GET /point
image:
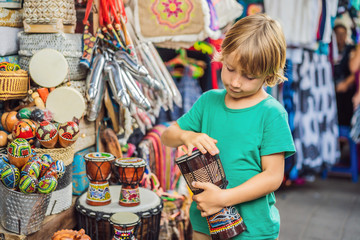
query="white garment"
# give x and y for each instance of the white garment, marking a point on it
(299, 19)
(227, 11)
(9, 44)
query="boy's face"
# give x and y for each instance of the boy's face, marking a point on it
(237, 84)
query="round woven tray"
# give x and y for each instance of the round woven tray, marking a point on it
(64, 154)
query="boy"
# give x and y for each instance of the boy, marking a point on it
(244, 125)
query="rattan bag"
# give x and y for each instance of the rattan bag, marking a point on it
(13, 84)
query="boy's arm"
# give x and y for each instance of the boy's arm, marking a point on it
(213, 198)
(174, 136)
(354, 63)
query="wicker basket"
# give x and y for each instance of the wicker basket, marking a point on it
(61, 198)
(13, 85)
(49, 11)
(70, 45)
(22, 213)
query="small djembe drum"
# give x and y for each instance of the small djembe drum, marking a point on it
(125, 225)
(130, 171)
(198, 167)
(98, 170)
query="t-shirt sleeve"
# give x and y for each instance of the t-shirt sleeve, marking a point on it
(191, 121)
(277, 137)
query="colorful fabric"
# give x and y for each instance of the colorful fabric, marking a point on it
(80, 182)
(88, 47)
(11, 59)
(175, 20)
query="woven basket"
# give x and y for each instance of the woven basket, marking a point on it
(70, 45)
(61, 198)
(49, 11)
(22, 213)
(13, 85)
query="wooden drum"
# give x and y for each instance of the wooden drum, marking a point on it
(98, 170)
(95, 219)
(125, 225)
(226, 223)
(131, 171)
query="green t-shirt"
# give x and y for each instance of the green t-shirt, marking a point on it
(243, 135)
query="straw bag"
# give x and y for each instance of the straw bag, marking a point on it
(61, 198)
(13, 85)
(10, 18)
(49, 16)
(70, 45)
(22, 213)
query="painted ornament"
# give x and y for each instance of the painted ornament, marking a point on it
(47, 134)
(3, 139)
(47, 184)
(47, 158)
(28, 184)
(68, 133)
(31, 169)
(10, 176)
(44, 168)
(59, 167)
(19, 152)
(3, 163)
(25, 129)
(24, 113)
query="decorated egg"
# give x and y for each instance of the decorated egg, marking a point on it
(31, 168)
(28, 184)
(44, 168)
(3, 139)
(37, 115)
(47, 184)
(68, 133)
(47, 134)
(51, 172)
(24, 113)
(25, 129)
(59, 167)
(10, 176)
(47, 158)
(3, 120)
(3, 157)
(10, 121)
(19, 152)
(3, 164)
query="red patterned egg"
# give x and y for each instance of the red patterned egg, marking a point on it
(69, 130)
(25, 129)
(47, 134)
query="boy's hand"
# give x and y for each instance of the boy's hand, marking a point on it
(201, 141)
(210, 200)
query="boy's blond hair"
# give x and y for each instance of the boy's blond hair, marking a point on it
(260, 48)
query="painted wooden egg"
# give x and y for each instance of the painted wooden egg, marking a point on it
(10, 176)
(59, 167)
(3, 139)
(10, 121)
(31, 168)
(19, 152)
(28, 184)
(47, 184)
(3, 120)
(24, 113)
(3, 157)
(47, 134)
(44, 168)
(25, 129)
(51, 172)
(68, 133)
(3, 164)
(47, 158)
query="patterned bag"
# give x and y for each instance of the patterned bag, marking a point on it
(80, 181)
(176, 20)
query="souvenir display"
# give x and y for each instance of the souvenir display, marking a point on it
(68, 133)
(47, 134)
(226, 223)
(98, 170)
(25, 129)
(125, 225)
(131, 171)
(65, 103)
(48, 68)
(95, 219)
(19, 152)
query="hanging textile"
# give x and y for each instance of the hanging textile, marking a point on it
(315, 119)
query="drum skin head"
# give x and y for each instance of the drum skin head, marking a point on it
(125, 218)
(48, 68)
(65, 103)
